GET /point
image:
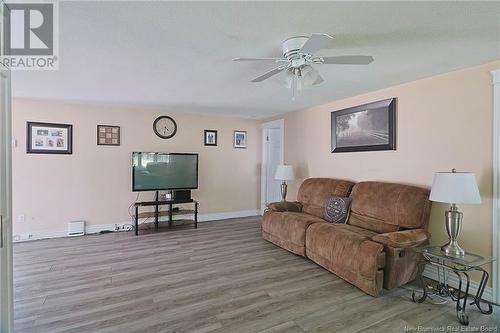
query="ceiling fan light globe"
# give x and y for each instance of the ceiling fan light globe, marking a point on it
(305, 77)
(309, 76)
(291, 75)
(288, 81)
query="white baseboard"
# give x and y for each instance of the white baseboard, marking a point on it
(224, 215)
(96, 228)
(432, 273)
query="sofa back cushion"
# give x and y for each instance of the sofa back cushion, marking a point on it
(314, 192)
(386, 207)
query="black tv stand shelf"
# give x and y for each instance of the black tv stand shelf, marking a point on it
(163, 202)
(171, 212)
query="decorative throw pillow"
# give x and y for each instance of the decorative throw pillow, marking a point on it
(337, 209)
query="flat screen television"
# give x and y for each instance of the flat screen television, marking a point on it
(164, 171)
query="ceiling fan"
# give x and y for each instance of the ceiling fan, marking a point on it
(298, 56)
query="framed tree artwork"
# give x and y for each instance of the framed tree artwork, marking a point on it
(365, 127)
(49, 138)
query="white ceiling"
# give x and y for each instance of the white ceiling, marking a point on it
(177, 55)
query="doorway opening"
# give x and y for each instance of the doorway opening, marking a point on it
(272, 156)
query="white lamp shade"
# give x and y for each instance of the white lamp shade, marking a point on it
(284, 172)
(455, 187)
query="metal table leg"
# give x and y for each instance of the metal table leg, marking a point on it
(136, 220)
(170, 208)
(196, 215)
(479, 295)
(420, 272)
(461, 315)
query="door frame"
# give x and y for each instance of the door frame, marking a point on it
(496, 185)
(7, 314)
(275, 124)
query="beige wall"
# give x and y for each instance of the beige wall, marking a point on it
(94, 183)
(443, 122)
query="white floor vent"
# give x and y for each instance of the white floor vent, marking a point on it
(76, 228)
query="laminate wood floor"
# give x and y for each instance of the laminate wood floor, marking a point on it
(221, 277)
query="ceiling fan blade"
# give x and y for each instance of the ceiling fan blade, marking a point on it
(319, 80)
(348, 60)
(316, 42)
(260, 59)
(268, 74)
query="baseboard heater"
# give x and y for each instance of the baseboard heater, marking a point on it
(76, 228)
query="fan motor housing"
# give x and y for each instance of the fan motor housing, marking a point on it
(292, 45)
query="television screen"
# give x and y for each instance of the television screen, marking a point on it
(164, 171)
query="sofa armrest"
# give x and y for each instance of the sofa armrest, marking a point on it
(403, 239)
(284, 206)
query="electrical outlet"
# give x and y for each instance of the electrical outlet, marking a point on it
(21, 218)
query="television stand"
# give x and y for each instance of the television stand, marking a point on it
(170, 203)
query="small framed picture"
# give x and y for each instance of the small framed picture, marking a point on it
(210, 137)
(49, 138)
(108, 135)
(240, 139)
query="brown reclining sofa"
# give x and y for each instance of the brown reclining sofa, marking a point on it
(373, 249)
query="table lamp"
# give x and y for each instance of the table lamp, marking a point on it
(284, 172)
(454, 188)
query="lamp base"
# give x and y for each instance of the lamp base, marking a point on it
(452, 249)
(283, 188)
(453, 227)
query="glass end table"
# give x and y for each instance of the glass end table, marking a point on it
(461, 266)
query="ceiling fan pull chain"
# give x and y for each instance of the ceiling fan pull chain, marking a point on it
(299, 79)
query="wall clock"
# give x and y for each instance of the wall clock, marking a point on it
(165, 127)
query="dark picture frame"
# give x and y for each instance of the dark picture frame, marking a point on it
(240, 139)
(49, 138)
(367, 127)
(210, 137)
(108, 135)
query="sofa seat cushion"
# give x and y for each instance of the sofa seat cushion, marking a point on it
(339, 240)
(289, 228)
(349, 252)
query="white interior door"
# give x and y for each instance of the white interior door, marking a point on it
(6, 287)
(273, 192)
(272, 156)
